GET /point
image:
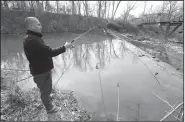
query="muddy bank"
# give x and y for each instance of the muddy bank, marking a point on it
(169, 52)
(19, 105)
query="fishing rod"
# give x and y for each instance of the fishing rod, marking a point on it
(66, 69)
(85, 33)
(73, 46)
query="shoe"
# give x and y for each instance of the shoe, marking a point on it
(54, 109)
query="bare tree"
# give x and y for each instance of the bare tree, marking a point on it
(18, 5)
(99, 8)
(86, 7)
(145, 3)
(57, 4)
(79, 7)
(39, 9)
(116, 9)
(73, 8)
(102, 10)
(108, 9)
(149, 15)
(113, 6)
(42, 3)
(92, 11)
(23, 5)
(48, 6)
(5, 3)
(105, 4)
(129, 8)
(171, 9)
(31, 4)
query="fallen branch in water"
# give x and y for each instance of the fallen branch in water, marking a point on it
(174, 116)
(114, 51)
(171, 112)
(163, 100)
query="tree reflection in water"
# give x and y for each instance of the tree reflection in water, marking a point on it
(83, 57)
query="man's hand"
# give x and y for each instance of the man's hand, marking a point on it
(68, 45)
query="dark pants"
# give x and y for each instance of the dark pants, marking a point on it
(44, 83)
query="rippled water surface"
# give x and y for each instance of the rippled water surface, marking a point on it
(112, 61)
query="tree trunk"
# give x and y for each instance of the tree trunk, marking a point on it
(23, 5)
(73, 7)
(105, 9)
(144, 8)
(79, 8)
(13, 4)
(6, 4)
(108, 9)
(113, 8)
(46, 6)
(31, 6)
(57, 7)
(116, 9)
(86, 7)
(42, 4)
(18, 5)
(99, 9)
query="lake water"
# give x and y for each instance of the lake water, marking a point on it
(113, 61)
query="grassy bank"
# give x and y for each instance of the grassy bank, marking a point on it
(19, 105)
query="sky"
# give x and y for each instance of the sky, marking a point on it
(136, 12)
(139, 7)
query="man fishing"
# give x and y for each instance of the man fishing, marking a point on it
(40, 60)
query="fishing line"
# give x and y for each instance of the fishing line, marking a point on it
(24, 78)
(16, 69)
(73, 46)
(69, 65)
(66, 69)
(144, 64)
(61, 76)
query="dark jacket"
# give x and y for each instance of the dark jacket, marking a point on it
(38, 54)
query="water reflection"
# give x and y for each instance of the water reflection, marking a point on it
(83, 57)
(117, 64)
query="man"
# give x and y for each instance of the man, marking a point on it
(40, 60)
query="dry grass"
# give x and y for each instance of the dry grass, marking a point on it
(19, 105)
